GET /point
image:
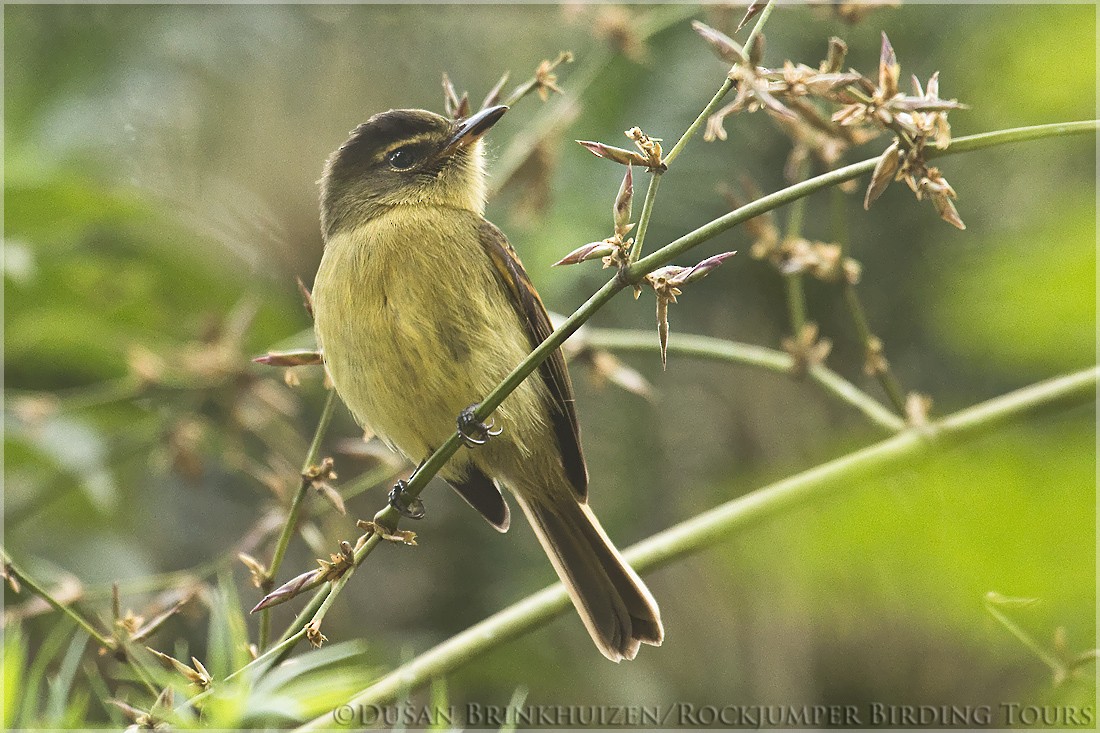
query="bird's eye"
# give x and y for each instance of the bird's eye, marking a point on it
(403, 158)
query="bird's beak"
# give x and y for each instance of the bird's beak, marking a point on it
(473, 127)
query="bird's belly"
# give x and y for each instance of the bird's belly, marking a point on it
(408, 351)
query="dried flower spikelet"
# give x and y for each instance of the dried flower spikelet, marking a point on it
(885, 170)
(7, 572)
(314, 635)
(616, 25)
(753, 9)
(834, 59)
(725, 47)
(667, 283)
(492, 98)
(853, 271)
(455, 106)
(854, 11)
(889, 70)
(585, 252)
(399, 537)
(196, 674)
(623, 202)
(606, 367)
(806, 349)
(545, 79)
(256, 569)
(874, 360)
(615, 250)
(610, 152)
(756, 50)
(650, 147)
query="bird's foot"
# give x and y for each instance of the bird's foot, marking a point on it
(410, 507)
(473, 431)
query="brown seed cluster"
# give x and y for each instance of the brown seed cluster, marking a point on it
(797, 97)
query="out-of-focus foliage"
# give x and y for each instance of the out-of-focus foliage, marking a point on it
(160, 199)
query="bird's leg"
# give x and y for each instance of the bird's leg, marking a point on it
(473, 431)
(410, 507)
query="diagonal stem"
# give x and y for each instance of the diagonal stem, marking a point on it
(733, 352)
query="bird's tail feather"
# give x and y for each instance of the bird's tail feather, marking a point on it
(615, 605)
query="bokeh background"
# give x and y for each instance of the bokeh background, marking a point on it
(160, 199)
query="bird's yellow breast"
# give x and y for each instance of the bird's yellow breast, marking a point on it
(415, 327)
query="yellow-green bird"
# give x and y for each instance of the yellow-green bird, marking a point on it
(421, 308)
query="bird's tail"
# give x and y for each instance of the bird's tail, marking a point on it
(615, 605)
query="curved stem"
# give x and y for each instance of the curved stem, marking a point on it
(13, 570)
(733, 352)
(296, 508)
(704, 530)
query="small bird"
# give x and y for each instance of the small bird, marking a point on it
(421, 307)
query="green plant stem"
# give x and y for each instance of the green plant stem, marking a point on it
(708, 528)
(271, 656)
(643, 219)
(796, 301)
(733, 352)
(794, 282)
(388, 516)
(884, 375)
(35, 587)
(295, 509)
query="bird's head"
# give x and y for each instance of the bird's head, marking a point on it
(406, 157)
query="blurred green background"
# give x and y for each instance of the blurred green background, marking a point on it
(160, 198)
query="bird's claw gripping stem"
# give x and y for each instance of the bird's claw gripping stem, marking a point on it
(473, 431)
(410, 507)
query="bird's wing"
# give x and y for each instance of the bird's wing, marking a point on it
(532, 314)
(482, 494)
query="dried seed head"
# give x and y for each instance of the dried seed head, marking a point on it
(617, 25)
(621, 210)
(650, 147)
(889, 70)
(806, 349)
(834, 59)
(590, 251)
(455, 107)
(493, 97)
(314, 635)
(874, 360)
(885, 170)
(606, 367)
(756, 50)
(625, 157)
(256, 569)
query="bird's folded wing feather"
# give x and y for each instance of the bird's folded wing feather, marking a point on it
(532, 314)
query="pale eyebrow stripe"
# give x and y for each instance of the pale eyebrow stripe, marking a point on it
(422, 137)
